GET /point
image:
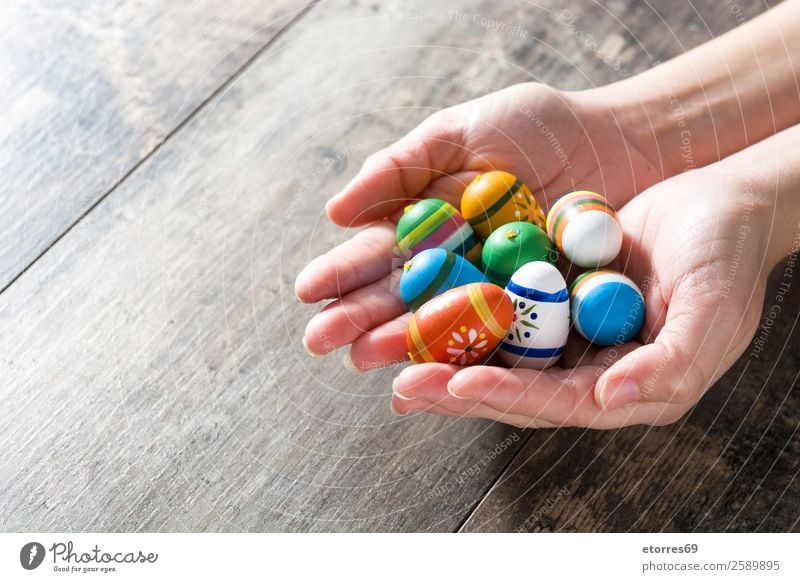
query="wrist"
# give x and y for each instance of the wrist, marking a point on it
(668, 122)
(644, 124)
(784, 235)
(716, 99)
(768, 173)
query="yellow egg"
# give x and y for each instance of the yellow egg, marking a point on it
(497, 198)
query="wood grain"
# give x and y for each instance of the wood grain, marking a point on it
(154, 379)
(731, 465)
(157, 381)
(89, 91)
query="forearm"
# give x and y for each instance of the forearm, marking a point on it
(718, 98)
(770, 173)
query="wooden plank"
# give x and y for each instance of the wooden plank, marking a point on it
(89, 90)
(154, 379)
(156, 370)
(729, 466)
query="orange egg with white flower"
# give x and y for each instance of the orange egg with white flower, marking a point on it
(462, 326)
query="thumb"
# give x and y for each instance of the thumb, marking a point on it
(404, 170)
(693, 349)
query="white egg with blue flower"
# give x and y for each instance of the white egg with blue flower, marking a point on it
(540, 328)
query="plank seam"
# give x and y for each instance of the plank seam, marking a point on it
(175, 130)
(472, 510)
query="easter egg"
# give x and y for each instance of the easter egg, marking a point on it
(540, 326)
(585, 228)
(607, 307)
(461, 326)
(513, 245)
(434, 271)
(497, 198)
(433, 223)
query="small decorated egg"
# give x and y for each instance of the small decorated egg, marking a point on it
(511, 246)
(585, 228)
(497, 198)
(434, 271)
(607, 307)
(540, 326)
(433, 223)
(461, 326)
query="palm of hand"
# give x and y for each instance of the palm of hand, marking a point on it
(664, 247)
(694, 241)
(438, 159)
(555, 142)
(702, 308)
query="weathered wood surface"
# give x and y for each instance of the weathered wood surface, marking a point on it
(154, 379)
(87, 90)
(731, 465)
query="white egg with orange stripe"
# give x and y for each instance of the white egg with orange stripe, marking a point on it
(585, 228)
(607, 307)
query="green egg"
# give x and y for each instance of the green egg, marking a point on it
(511, 246)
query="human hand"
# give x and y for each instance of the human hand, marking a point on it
(553, 141)
(700, 245)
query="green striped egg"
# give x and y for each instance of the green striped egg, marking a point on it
(432, 223)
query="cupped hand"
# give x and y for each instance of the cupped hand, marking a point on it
(698, 246)
(553, 141)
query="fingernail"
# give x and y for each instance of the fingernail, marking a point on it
(395, 382)
(329, 203)
(350, 365)
(302, 286)
(453, 393)
(305, 345)
(618, 393)
(394, 410)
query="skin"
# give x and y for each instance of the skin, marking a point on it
(683, 231)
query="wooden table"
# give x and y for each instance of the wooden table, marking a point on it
(164, 168)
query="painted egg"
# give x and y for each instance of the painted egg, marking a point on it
(513, 245)
(585, 228)
(497, 198)
(607, 307)
(461, 326)
(433, 223)
(540, 326)
(434, 271)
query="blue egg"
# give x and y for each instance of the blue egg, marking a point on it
(607, 307)
(434, 271)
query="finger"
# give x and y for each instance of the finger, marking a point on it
(560, 397)
(423, 387)
(385, 345)
(345, 320)
(427, 384)
(701, 338)
(403, 407)
(551, 395)
(449, 188)
(362, 260)
(400, 172)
